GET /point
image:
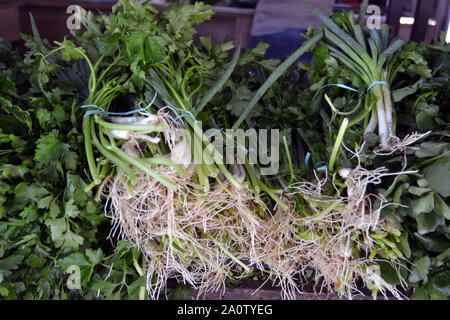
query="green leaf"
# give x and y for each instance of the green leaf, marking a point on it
(154, 49)
(70, 209)
(420, 293)
(4, 291)
(420, 272)
(423, 183)
(78, 259)
(428, 222)
(438, 174)
(417, 191)
(57, 228)
(221, 81)
(69, 50)
(240, 99)
(390, 275)
(441, 207)
(35, 261)
(419, 69)
(70, 239)
(404, 244)
(426, 114)
(54, 210)
(71, 160)
(441, 282)
(308, 44)
(44, 203)
(422, 205)
(432, 244)
(399, 94)
(75, 190)
(95, 257)
(18, 113)
(50, 148)
(431, 149)
(28, 193)
(443, 257)
(10, 263)
(134, 45)
(433, 293)
(62, 235)
(134, 288)
(105, 287)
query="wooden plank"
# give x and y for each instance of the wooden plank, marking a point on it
(424, 11)
(9, 21)
(394, 12)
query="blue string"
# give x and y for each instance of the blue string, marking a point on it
(183, 114)
(335, 85)
(319, 163)
(322, 168)
(238, 144)
(233, 147)
(308, 155)
(102, 111)
(282, 170)
(340, 85)
(377, 82)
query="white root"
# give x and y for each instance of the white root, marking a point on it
(388, 108)
(181, 153)
(383, 130)
(372, 125)
(120, 134)
(238, 172)
(136, 120)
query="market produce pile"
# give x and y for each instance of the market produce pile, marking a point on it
(100, 134)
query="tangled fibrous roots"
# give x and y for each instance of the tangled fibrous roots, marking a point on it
(402, 145)
(185, 233)
(332, 229)
(280, 251)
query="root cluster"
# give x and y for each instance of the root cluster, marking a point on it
(187, 233)
(204, 237)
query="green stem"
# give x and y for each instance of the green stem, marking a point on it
(167, 162)
(89, 152)
(140, 164)
(337, 144)
(272, 195)
(110, 155)
(278, 72)
(291, 168)
(331, 207)
(222, 247)
(130, 127)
